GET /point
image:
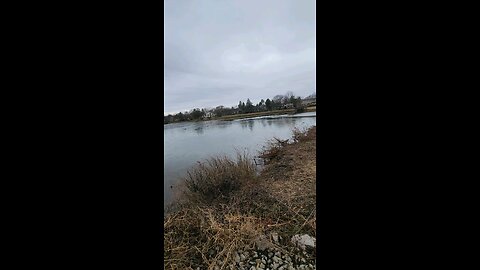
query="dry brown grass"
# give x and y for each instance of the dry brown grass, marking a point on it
(205, 237)
(312, 109)
(225, 207)
(291, 180)
(215, 179)
(255, 114)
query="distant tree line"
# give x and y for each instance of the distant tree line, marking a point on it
(278, 102)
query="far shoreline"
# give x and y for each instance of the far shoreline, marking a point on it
(250, 115)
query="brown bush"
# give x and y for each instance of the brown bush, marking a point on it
(301, 135)
(216, 178)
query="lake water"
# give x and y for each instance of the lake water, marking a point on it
(187, 143)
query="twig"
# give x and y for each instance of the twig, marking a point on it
(306, 220)
(201, 253)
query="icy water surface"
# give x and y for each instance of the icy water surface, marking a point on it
(187, 143)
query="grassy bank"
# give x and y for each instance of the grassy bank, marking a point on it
(225, 206)
(250, 115)
(256, 114)
(267, 113)
(311, 109)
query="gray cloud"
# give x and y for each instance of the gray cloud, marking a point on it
(218, 52)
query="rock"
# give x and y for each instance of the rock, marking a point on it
(237, 258)
(303, 241)
(275, 237)
(262, 243)
(242, 257)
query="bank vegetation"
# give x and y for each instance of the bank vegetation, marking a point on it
(225, 205)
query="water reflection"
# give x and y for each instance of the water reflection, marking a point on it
(263, 123)
(199, 130)
(222, 124)
(243, 124)
(186, 143)
(248, 123)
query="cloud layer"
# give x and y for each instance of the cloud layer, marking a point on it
(220, 52)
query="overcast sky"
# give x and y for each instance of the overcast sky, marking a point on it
(218, 52)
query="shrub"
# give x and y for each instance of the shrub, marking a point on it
(303, 134)
(300, 109)
(218, 177)
(273, 148)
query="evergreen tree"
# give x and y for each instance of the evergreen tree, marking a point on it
(249, 106)
(241, 106)
(268, 104)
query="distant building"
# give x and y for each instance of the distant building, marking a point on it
(208, 115)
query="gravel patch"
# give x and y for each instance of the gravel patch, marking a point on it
(271, 259)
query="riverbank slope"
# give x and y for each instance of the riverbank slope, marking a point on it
(228, 217)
